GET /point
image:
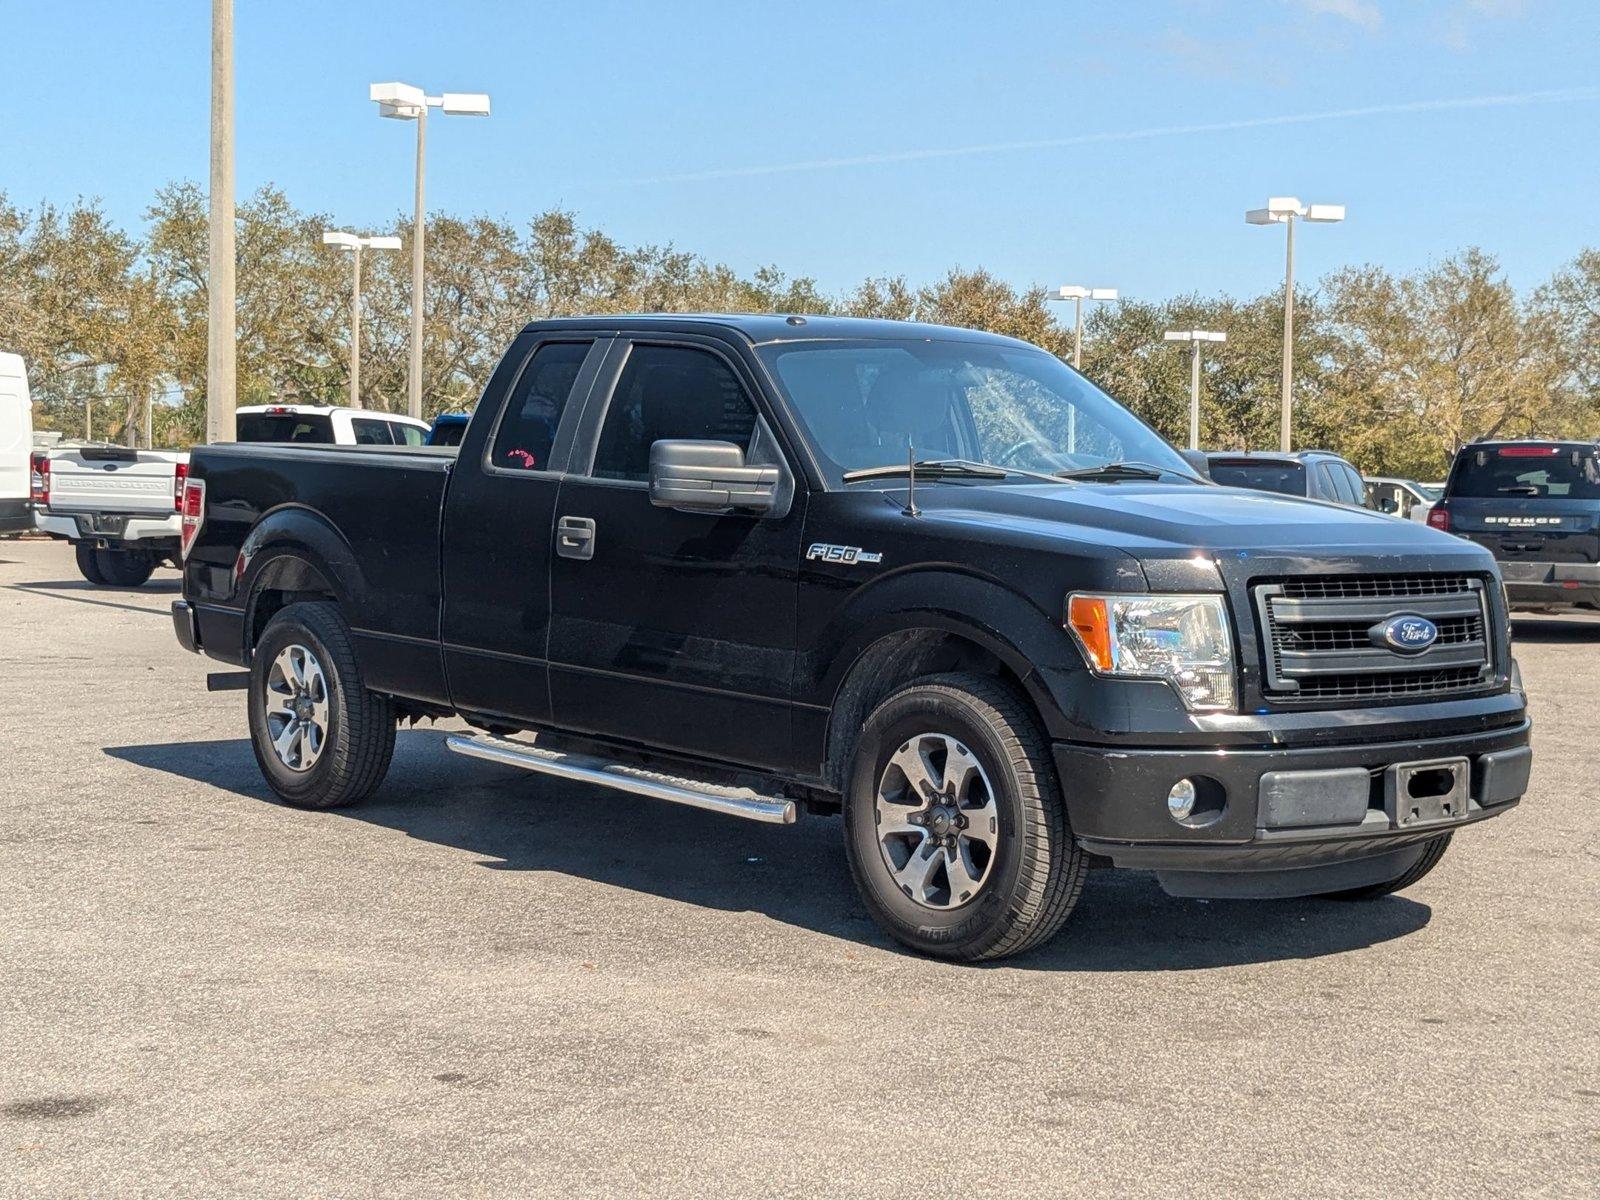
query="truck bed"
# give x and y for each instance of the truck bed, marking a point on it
(373, 508)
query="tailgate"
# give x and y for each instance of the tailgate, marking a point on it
(1521, 529)
(107, 481)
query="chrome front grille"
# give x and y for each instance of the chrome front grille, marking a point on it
(1321, 637)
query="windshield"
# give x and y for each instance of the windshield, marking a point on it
(1286, 477)
(870, 403)
(1569, 472)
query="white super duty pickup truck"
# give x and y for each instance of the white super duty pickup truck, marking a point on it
(119, 506)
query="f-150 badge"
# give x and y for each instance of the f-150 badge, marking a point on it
(849, 555)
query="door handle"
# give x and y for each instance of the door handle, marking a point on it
(575, 537)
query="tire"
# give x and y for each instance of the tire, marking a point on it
(1019, 880)
(89, 563)
(350, 755)
(1432, 852)
(125, 568)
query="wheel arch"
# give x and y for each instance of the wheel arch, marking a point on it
(889, 640)
(293, 553)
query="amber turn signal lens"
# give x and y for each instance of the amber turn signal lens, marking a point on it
(1089, 620)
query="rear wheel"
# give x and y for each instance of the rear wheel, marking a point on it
(88, 562)
(1432, 852)
(954, 823)
(125, 568)
(321, 738)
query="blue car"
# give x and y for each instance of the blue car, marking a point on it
(447, 429)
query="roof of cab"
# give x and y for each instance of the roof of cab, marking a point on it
(759, 328)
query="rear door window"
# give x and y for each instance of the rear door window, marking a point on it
(370, 431)
(527, 430)
(1348, 483)
(1554, 472)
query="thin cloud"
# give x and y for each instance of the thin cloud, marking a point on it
(1553, 96)
(1358, 12)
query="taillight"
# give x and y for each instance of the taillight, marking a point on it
(1439, 518)
(39, 477)
(193, 514)
(179, 475)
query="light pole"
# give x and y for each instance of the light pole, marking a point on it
(1194, 337)
(1283, 210)
(1078, 295)
(403, 102)
(221, 366)
(355, 243)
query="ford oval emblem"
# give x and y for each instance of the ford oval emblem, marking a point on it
(1409, 633)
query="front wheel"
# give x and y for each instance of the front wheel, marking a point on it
(320, 737)
(954, 824)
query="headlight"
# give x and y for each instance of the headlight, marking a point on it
(1181, 639)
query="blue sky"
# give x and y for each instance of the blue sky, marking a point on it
(1107, 144)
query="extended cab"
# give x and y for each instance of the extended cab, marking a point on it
(930, 577)
(1536, 506)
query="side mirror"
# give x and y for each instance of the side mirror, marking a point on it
(1198, 460)
(709, 477)
(1386, 505)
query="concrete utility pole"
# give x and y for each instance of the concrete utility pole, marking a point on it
(1194, 337)
(221, 367)
(355, 243)
(1284, 210)
(402, 102)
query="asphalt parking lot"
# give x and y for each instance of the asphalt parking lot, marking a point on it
(483, 981)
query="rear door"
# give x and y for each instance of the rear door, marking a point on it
(1529, 502)
(673, 629)
(498, 524)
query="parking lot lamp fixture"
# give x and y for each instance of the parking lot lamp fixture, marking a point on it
(1078, 295)
(402, 102)
(1285, 211)
(1195, 337)
(355, 243)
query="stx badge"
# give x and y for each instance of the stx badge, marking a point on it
(848, 555)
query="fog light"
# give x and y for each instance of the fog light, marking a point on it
(1180, 800)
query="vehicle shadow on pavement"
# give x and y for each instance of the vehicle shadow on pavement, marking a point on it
(795, 874)
(1585, 629)
(80, 591)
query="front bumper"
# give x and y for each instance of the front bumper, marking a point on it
(1282, 822)
(107, 528)
(1551, 585)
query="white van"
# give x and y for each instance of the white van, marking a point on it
(16, 441)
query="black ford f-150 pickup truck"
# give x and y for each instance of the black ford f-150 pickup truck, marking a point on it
(929, 577)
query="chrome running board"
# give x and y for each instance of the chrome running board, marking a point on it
(585, 768)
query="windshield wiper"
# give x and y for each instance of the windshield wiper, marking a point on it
(930, 468)
(1118, 470)
(1521, 489)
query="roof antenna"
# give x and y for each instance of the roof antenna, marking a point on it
(910, 509)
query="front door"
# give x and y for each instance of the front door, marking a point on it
(498, 528)
(673, 629)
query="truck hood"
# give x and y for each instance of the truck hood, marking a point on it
(1150, 521)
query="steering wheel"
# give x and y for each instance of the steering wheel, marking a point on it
(1007, 456)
